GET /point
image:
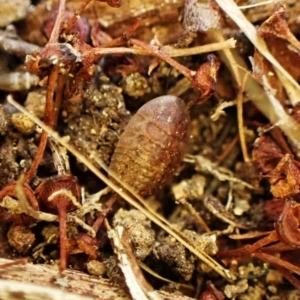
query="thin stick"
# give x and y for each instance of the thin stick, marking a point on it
(248, 250)
(175, 52)
(73, 20)
(195, 214)
(58, 100)
(272, 237)
(255, 4)
(164, 51)
(288, 276)
(56, 29)
(62, 236)
(227, 150)
(48, 120)
(276, 261)
(109, 205)
(240, 119)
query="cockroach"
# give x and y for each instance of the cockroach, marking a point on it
(152, 145)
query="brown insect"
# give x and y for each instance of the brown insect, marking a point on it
(152, 145)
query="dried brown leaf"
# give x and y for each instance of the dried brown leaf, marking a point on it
(281, 42)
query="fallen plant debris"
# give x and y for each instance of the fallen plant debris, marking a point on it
(191, 105)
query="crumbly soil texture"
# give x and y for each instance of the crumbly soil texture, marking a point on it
(219, 216)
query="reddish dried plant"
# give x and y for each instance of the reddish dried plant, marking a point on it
(59, 195)
(68, 64)
(283, 172)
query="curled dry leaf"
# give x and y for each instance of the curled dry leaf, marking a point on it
(284, 178)
(205, 79)
(281, 170)
(281, 42)
(287, 224)
(266, 153)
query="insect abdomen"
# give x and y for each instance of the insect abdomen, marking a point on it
(152, 145)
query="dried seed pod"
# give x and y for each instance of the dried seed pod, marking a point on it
(152, 145)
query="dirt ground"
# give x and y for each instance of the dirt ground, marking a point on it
(158, 153)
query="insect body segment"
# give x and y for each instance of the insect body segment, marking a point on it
(152, 145)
